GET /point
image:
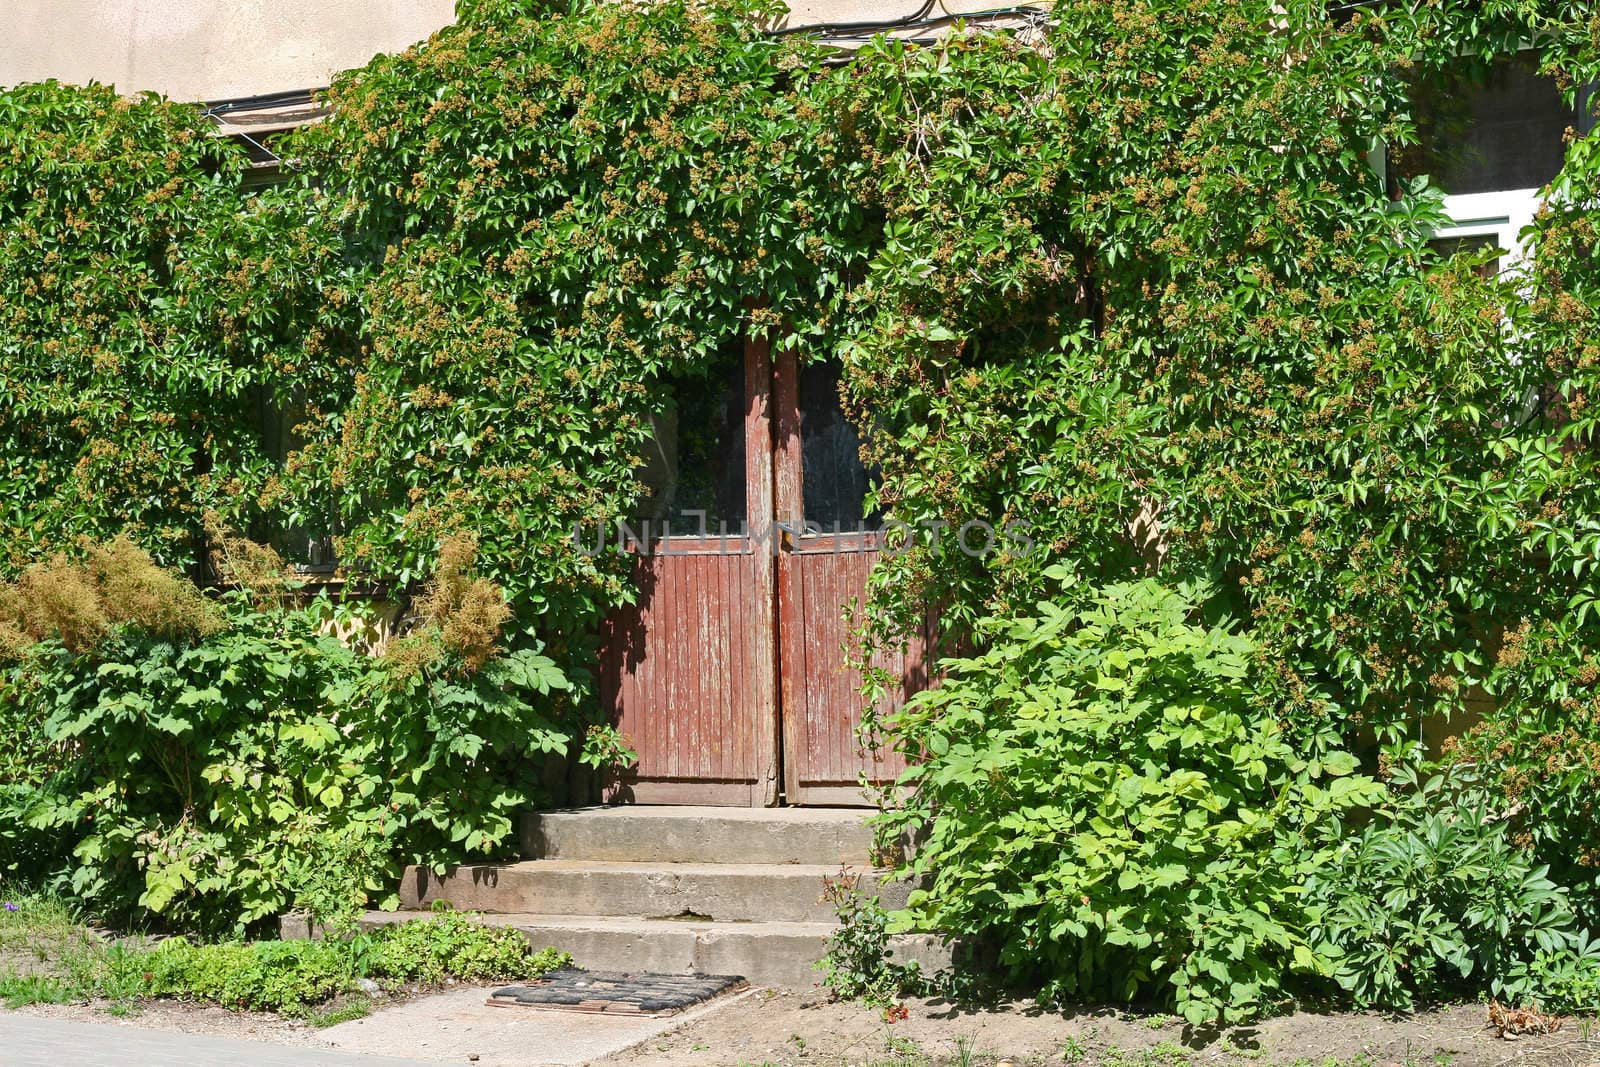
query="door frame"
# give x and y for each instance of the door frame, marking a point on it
(655, 663)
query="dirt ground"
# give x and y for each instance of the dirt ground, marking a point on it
(798, 1030)
(785, 1029)
(187, 1019)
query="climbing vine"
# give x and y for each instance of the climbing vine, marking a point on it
(552, 216)
(1144, 288)
(119, 387)
(1129, 276)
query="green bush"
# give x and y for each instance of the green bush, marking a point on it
(219, 781)
(1103, 799)
(857, 964)
(67, 961)
(1431, 900)
(291, 977)
(1537, 747)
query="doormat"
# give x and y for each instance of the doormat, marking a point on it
(616, 993)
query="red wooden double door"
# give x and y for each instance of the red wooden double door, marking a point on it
(732, 676)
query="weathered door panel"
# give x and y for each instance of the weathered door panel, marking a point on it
(824, 757)
(729, 630)
(820, 577)
(689, 673)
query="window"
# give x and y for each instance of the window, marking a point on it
(1492, 142)
(694, 470)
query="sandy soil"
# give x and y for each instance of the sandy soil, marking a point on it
(797, 1030)
(785, 1029)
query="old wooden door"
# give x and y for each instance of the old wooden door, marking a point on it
(828, 545)
(732, 676)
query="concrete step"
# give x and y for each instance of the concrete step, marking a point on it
(764, 953)
(730, 892)
(699, 835)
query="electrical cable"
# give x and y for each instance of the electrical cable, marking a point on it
(261, 102)
(828, 27)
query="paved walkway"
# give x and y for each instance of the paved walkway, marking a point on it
(32, 1042)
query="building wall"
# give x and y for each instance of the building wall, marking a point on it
(206, 49)
(203, 50)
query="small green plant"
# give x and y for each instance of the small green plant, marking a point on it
(350, 1010)
(857, 964)
(1431, 899)
(607, 748)
(289, 977)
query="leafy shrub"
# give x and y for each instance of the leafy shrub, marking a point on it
(1103, 799)
(856, 965)
(1538, 749)
(452, 945)
(265, 765)
(1433, 900)
(292, 976)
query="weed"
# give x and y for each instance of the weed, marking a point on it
(343, 1013)
(857, 964)
(18, 991)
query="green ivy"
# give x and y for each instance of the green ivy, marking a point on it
(551, 215)
(124, 405)
(1132, 265)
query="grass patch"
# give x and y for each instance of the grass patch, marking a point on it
(49, 955)
(349, 1011)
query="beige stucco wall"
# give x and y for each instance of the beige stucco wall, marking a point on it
(217, 49)
(206, 49)
(810, 12)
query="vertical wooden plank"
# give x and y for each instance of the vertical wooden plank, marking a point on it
(822, 636)
(671, 622)
(842, 683)
(789, 507)
(763, 697)
(714, 681)
(734, 748)
(688, 708)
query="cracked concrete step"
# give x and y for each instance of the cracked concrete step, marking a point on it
(764, 953)
(699, 835)
(738, 892)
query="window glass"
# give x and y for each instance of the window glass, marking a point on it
(1451, 246)
(833, 479)
(695, 460)
(1503, 131)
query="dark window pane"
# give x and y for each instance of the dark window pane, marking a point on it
(833, 479)
(1453, 246)
(695, 463)
(1506, 132)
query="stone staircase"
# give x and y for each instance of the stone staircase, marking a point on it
(674, 889)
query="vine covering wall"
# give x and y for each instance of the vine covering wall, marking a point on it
(1129, 278)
